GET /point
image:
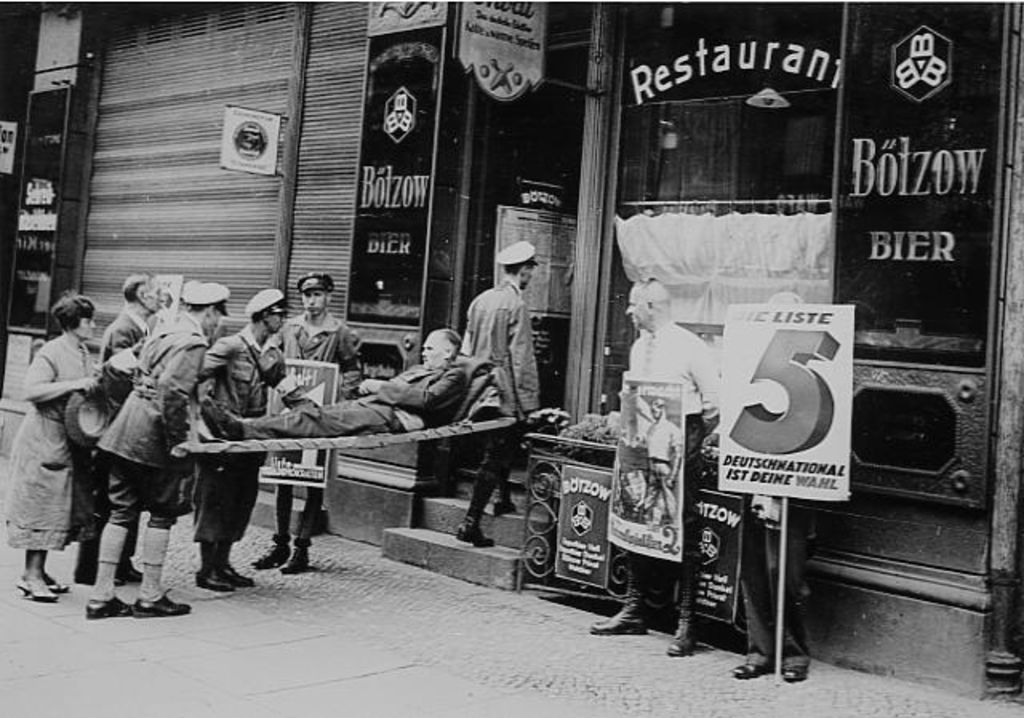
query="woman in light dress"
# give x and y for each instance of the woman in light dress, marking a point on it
(49, 501)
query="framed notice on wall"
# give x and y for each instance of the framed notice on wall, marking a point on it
(35, 248)
(554, 236)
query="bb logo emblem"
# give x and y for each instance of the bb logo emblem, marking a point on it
(709, 546)
(922, 64)
(582, 518)
(399, 115)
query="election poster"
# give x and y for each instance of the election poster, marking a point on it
(647, 483)
(787, 397)
(316, 381)
(582, 554)
(720, 528)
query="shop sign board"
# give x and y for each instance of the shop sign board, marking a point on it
(687, 52)
(249, 141)
(787, 399)
(35, 246)
(582, 553)
(918, 176)
(8, 146)
(312, 468)
(386, 17)
(647, 483)
(503, 44)
(395, 177)
(720, 527)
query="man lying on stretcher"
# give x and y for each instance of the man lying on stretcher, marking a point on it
(427, 395)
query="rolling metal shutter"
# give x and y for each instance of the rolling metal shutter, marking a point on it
(159, 200)
(329, 146)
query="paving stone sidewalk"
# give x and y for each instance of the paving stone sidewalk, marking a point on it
(366, 637)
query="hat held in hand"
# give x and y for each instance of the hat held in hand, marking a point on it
(86, 418)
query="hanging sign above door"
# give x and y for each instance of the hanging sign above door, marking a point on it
(503, 43)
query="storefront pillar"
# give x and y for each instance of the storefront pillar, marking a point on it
(596, 191)
(1002, 662)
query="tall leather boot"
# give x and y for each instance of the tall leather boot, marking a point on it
(469, 531)
(630, 619)
(685, 639)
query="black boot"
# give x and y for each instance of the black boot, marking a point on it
(469, 531)
(685, 640)
(222, 553)
(208, 576)
(630, 619)
(299, 562)
(276, 556)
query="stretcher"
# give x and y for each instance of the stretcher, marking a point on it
(477, 414)
(360, 441)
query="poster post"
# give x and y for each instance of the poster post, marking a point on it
(787, 401)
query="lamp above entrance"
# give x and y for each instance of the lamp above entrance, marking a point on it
(768, 99)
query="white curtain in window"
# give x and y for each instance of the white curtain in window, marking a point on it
(710, 262)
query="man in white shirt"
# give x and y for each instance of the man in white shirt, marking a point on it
(667, 352)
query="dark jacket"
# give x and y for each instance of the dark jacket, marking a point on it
(241, 373)
(157, 415)
(123, 333)
(433, 394)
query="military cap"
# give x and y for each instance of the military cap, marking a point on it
(518, 253)
(203, 294)
(263, 300)
(316, 280)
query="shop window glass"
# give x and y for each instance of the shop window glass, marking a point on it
(724, 198)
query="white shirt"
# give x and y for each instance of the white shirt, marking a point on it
(673, 353)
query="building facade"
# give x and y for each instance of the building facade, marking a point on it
(857, 154)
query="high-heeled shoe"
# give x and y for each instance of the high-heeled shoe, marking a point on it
(54, 585)
(39, 592)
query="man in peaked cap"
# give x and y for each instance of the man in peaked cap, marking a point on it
(315, 335)
(498, 329)
(148, 472)
(239, 368)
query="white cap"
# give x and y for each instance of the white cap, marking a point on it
(516, 253)
(263, 299)
(202, 294)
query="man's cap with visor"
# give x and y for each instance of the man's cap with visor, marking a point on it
(316, 280)
(204, 294)
(272, 299)
(518, 253)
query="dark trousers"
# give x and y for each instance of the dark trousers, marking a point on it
(759, 573)
(307, 520)
(88, 550)
(225, 494)
(346, 418)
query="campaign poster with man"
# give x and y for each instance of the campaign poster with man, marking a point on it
(647, 484)
(787, 398)
(318, 382)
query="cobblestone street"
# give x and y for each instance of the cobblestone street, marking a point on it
(364, 636)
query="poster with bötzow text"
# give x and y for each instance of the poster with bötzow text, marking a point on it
(786, 401)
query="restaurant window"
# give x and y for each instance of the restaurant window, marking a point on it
(725, 178)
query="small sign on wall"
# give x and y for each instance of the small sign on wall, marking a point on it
(8, 145)
(249, 141)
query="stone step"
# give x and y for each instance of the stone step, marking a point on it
(445, 514)
(496, 567)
